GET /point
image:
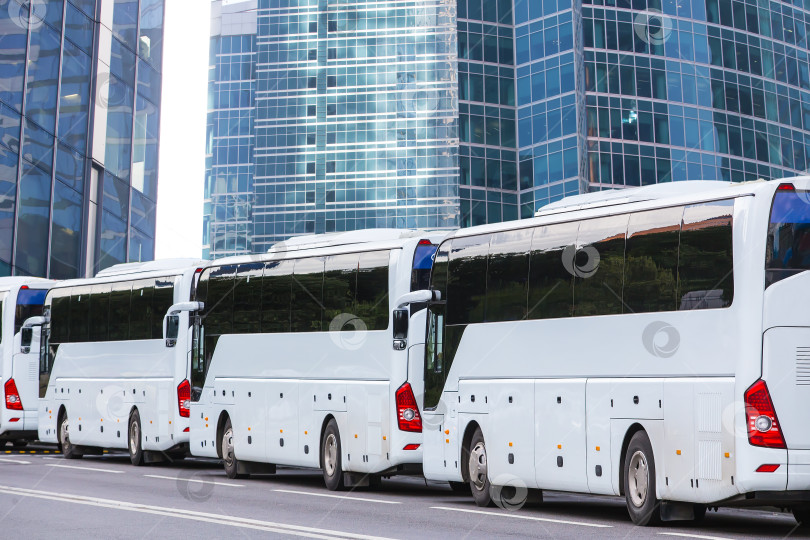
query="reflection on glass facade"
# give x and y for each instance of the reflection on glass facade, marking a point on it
(701, 89)
(461, 112)
(79, 111)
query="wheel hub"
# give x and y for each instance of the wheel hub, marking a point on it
(478, 466)
(227, 447)
(638, 479)
(330, 454)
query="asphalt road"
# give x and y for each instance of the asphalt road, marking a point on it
(45, 496)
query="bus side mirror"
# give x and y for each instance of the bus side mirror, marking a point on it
(26, 336)
(400, 329)
(172, 329)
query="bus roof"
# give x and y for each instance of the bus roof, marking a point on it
(19, 281)
(619, 196)
(603, 203)
(149, 266)
(363, 236)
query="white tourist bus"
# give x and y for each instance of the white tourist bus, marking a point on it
(20, 298)
(639, 343)
(300, 361)
(109, 377)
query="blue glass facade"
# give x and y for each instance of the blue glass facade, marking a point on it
(465, 112)
(712, 90)
(79, 112)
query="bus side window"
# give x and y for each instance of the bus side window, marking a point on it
(705, 256)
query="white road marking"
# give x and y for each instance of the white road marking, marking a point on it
(83, 468)
(702, 536)
(17, 461)
(335, 496)
(517, 516)
(219, 519)
(181, 479)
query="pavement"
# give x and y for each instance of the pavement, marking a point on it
(43, 495)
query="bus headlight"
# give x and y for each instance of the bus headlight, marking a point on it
(763, 423)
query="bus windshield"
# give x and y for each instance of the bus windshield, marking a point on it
(788, 248)
(29, 304)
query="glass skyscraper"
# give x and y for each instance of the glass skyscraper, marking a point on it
(79, 111)
(454, 113)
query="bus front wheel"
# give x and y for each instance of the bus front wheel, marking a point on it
(68, 450)
(477, 466)
(639, 481)
(229, 461)
(331, 459)
(134, 439)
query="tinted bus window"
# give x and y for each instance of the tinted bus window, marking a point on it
(218, 317)
(508, 275)
(29, 304)
(119, 311)
(276, 296)
(651, 264)
(467, 280)
(100, 312)
(307, 295)
(247, 298)
(705, 258)
(162, 300)
(372, 289)
(60, 315)
(79, 314)
(788, 247)
(598, 266)
(551, 285)
(339, 288)
(140, 305)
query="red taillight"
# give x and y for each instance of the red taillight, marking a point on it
(14, 420)
(763, 426)
(407, 410)
(425, 242)
(13, 401)
(184, 398)
(767, 468)
(785, 187)
(411, 447)
(185, 430)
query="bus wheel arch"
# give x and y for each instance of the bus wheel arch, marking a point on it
(632, 430)
(223, 418)
(59, 417)
(464, 451)
(326, 419)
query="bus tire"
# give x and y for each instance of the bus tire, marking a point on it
(477, 466)
(331, 457)
(68, 450)
(700, 513)
(460, 487)
(639, 481)
(802, 515)
(229, 461)
(134, 438)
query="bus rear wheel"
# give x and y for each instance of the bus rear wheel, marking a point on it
(478, 473)
(134, 439)
(68, 450)
(331, 458)
(639, 481)
(229, 461)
